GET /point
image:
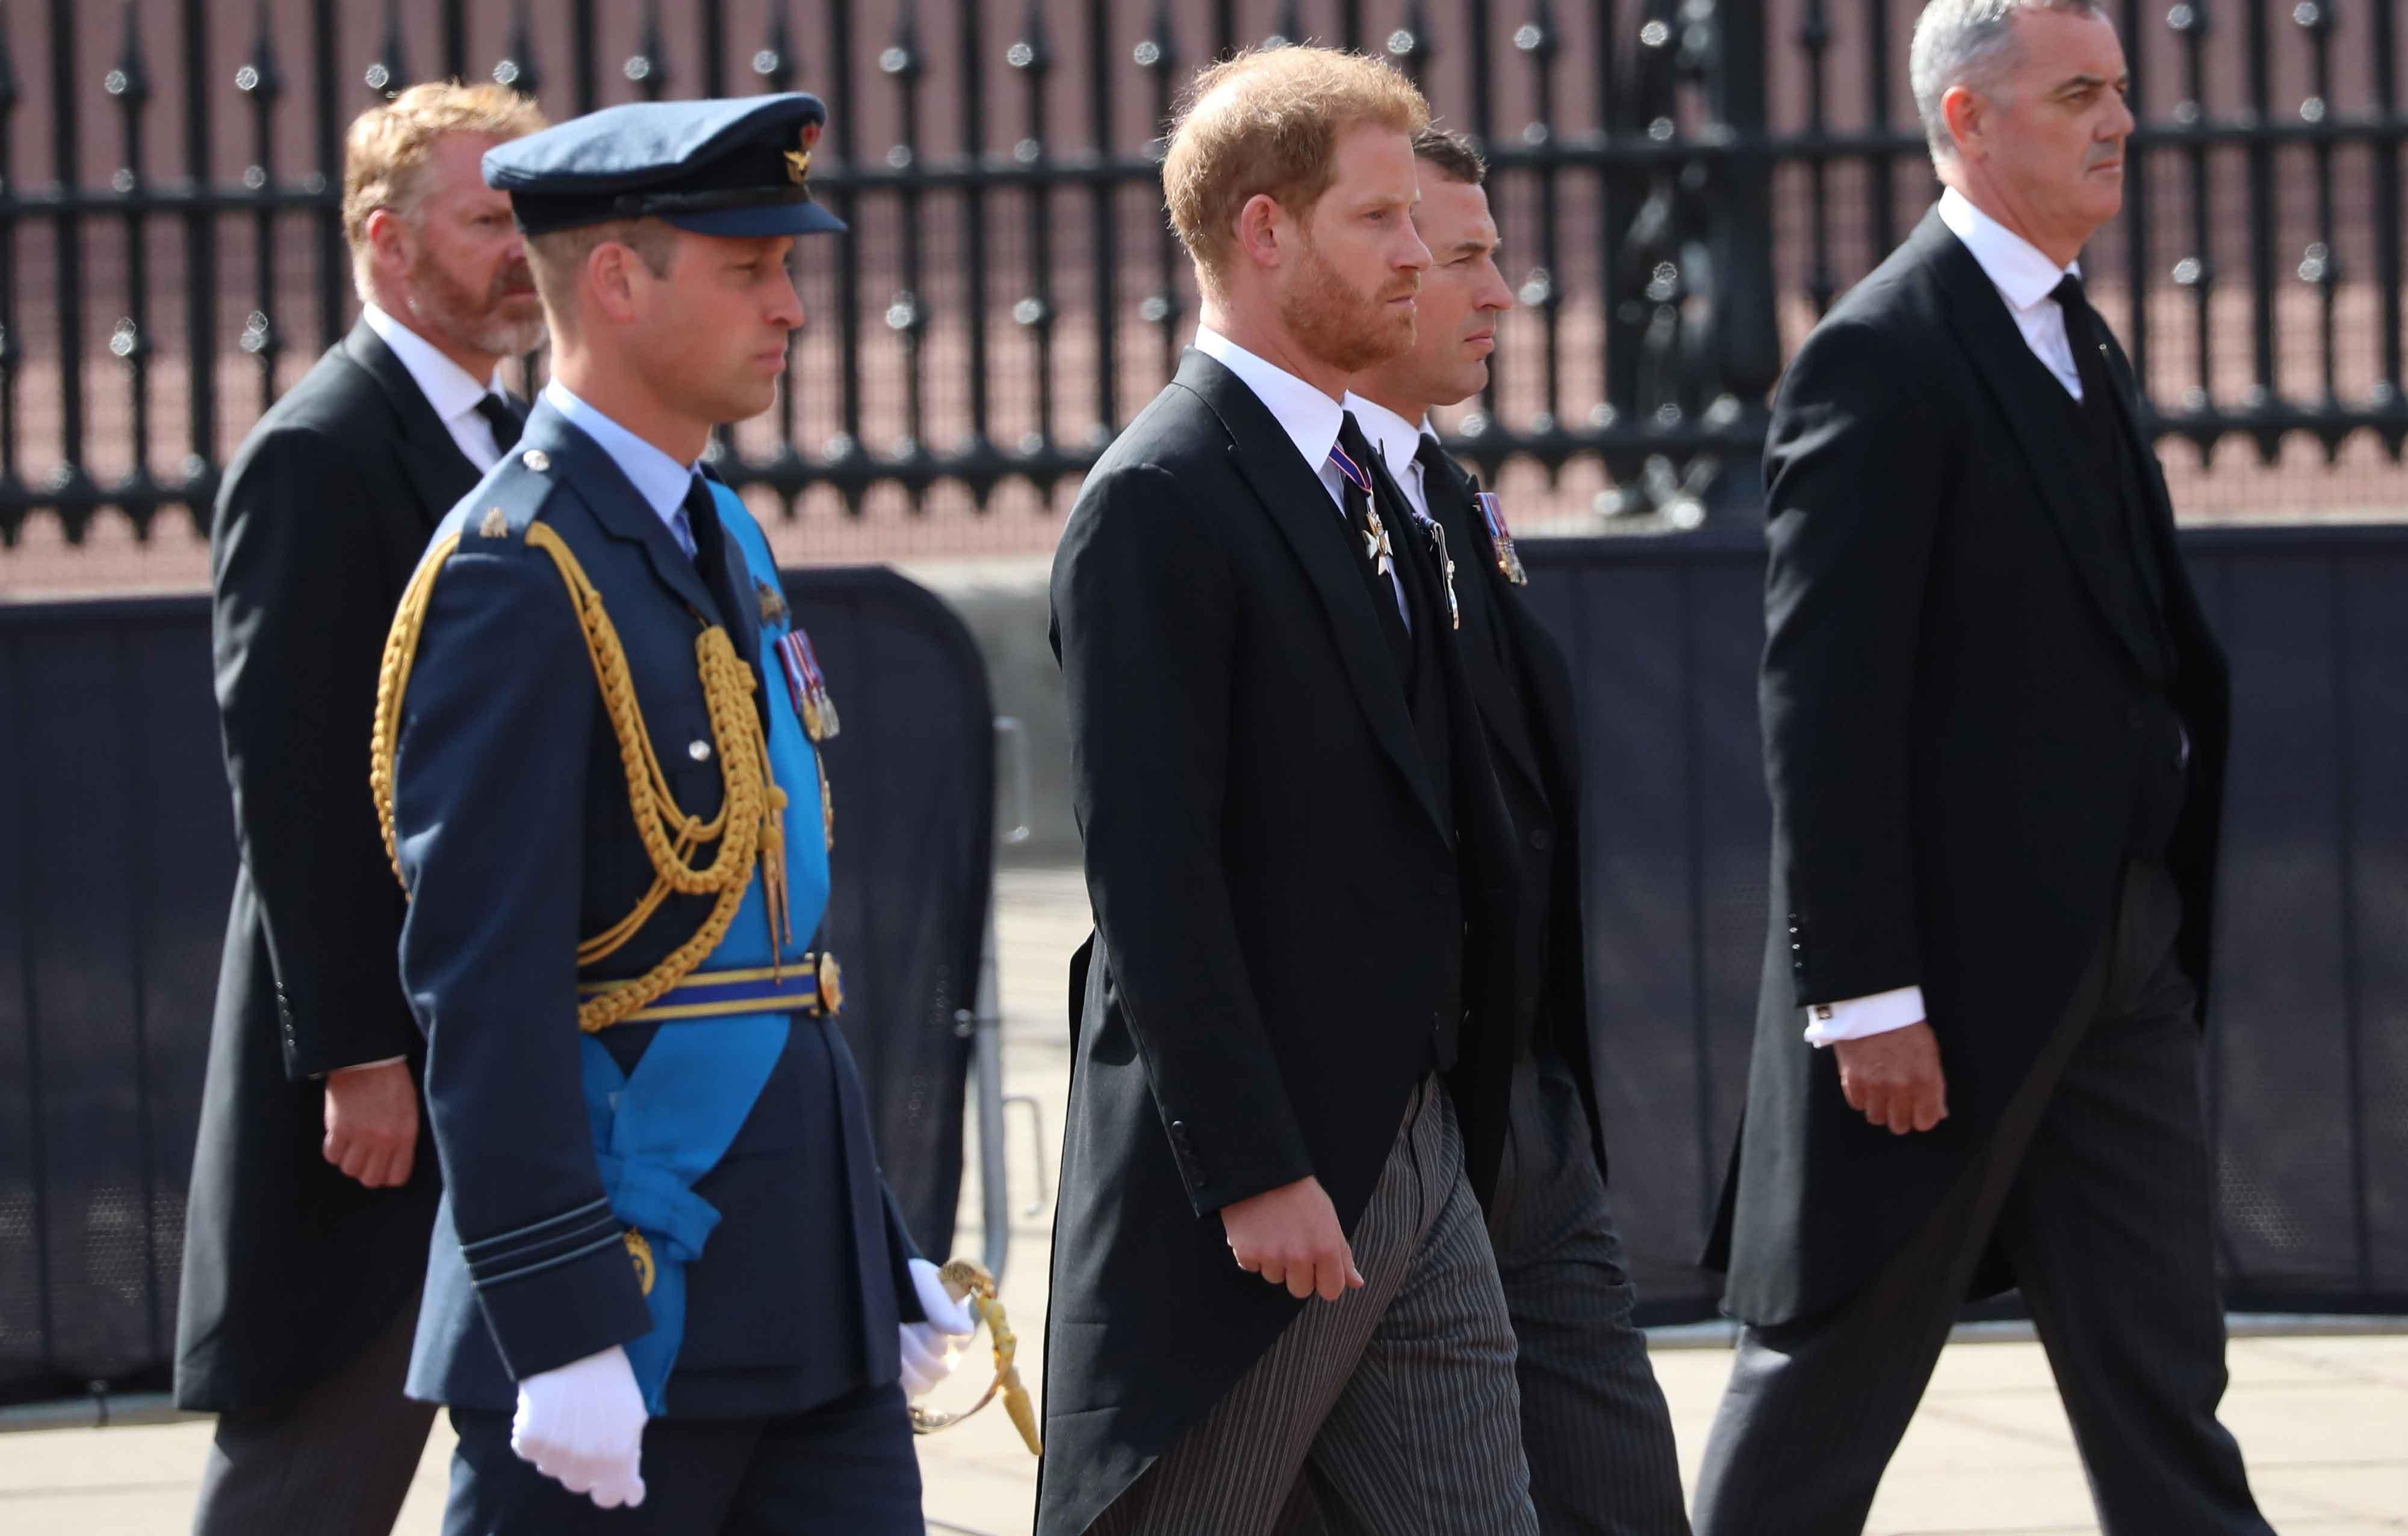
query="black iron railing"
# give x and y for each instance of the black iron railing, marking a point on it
(1684, 184)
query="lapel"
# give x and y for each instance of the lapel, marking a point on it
(620, 512)
(2016, 380)
(1485, 642)
(1296, 502)
(437, 469)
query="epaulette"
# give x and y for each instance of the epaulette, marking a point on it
(506, 501)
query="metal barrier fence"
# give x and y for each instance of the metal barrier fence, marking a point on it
(116, 862)
(1684, 184)
(2307, 1073)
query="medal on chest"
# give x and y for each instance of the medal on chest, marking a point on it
(1376, 546)
(1500, 538)
(1436, 532)
(806, 686)
(773, 602)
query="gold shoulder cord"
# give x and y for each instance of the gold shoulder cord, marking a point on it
(751, 823)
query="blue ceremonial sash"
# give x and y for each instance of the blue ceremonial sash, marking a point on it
(658, 1130)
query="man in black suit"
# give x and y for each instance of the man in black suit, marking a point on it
(312, 1190)
(1273, 1292)
(1594, 1426)
(1995, 727)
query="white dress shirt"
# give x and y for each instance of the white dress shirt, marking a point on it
(660, 479)
(1309, 418)
(451, 388)
(2026, 282)
(2024, 277)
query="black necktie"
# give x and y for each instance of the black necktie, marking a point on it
(503, 418)
(1375, 543)
(1440, 486)
(2088, 340)
(702, 526)
(2119, 450)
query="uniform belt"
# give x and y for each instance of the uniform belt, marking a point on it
(813, 985)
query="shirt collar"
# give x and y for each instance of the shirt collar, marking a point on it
(2014, 265)
(451, 388)
(1309, 418)
(1398, 440)
(660, 479)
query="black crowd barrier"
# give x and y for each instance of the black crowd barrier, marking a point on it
(117, 861)
(2307, 1066)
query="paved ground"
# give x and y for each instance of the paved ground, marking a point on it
(2324, 1420)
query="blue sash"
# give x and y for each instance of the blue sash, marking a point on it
(658, 1130)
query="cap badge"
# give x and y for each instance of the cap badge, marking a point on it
(799, 162)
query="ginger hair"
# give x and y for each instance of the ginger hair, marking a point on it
(1267, 123)
(389, 148)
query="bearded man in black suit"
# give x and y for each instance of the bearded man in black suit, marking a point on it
(313, 1188)
(1995, 727)
(1273, 1289)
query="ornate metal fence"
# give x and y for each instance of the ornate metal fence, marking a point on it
(1684, 184)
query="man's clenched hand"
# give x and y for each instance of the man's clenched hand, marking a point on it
(1290, 1236)
(1894, 1080)
(372, 1123)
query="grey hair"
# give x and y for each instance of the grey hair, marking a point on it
(1968, 43)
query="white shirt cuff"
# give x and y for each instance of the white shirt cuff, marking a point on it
(1860, 1016)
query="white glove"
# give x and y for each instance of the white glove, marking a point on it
(582, 1425)
(930, 1349)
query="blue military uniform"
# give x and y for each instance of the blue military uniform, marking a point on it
(609, 810)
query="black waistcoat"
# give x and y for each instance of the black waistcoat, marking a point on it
(1499, 677)
(1426, 693)
(2116, 490)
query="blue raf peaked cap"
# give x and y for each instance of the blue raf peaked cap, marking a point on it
(739, 167)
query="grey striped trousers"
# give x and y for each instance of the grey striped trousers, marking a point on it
(1391, 1410)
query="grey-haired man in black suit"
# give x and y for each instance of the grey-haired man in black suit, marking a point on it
(1995, 726)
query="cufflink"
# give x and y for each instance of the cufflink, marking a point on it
(1823, 1011)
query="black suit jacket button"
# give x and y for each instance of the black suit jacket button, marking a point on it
(1539, 840)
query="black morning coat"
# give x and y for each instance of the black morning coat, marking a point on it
(290, 1268)
(1523, 685)
(1282, 923)
(1956, 697)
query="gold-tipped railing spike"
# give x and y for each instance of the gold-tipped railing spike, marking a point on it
(967, 1279)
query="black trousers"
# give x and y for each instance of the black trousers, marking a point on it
(844, 1469)
(336, 1461)
(2097, 1187)
(1594, 1426)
